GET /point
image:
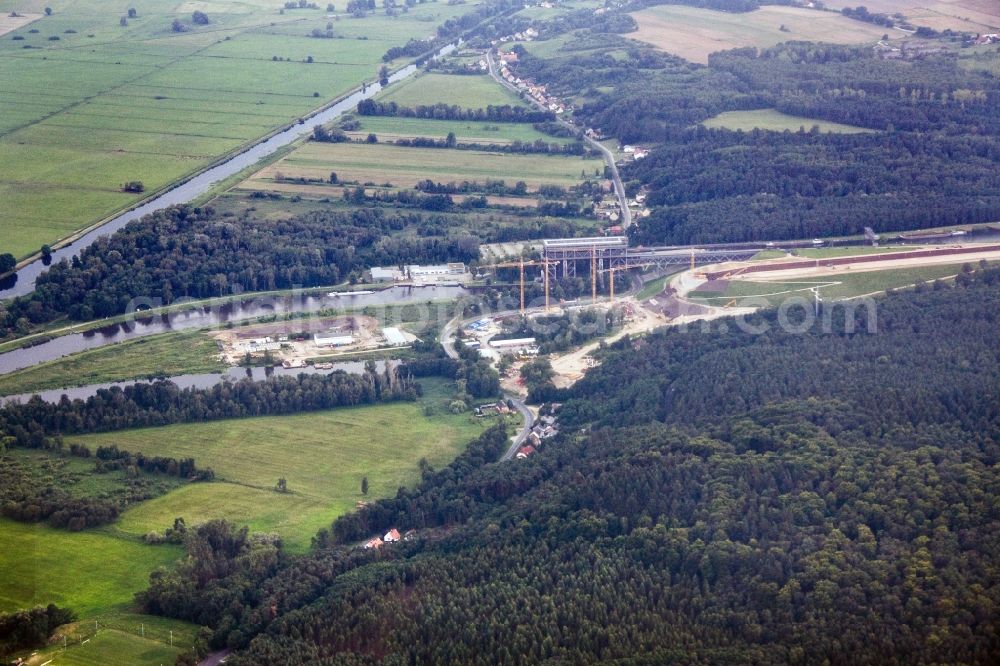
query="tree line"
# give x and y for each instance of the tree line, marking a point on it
(503, 113)
(163, 402)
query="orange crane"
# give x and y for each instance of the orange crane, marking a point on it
(611, 283)
(520, 264)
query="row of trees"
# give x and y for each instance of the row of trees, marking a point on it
(163, 402)
(503, 113)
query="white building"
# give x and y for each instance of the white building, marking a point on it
(326, 340)
(513, 343)
(437, 270)
(380, 274)
(394, 337)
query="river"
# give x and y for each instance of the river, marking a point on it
(251, 308)
(200, 381)
(23, 281)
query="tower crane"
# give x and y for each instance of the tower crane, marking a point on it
(520, 264)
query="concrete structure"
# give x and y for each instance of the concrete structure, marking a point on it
(562, 255)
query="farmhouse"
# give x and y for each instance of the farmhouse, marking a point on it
(391, 536)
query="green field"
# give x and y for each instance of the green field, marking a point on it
(106, 104)
(157, 355)
(404, 167)
(768, 254)
(769, 119)
(43, 565)
(111, 646)
(387, 128)
(322, 455)
(832, 252)
(834, 287)
(467, 91)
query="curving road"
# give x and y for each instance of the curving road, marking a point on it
(448, 344)
(609, 159)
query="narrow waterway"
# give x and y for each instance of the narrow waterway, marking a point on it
(199, 381)
(23, 281)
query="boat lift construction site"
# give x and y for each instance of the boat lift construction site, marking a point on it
(560, 257)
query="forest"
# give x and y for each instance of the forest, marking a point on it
(714, 497)
(193, 252)
(929, 158)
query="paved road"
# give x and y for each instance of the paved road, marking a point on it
(609, 159)
(448, 344)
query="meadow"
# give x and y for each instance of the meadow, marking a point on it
(695, 33)
(404, 167)
(43, 565)
(770, 119)
(322, 455)
(154, 356)
(388, 129)
(142, 102)
(465, 90)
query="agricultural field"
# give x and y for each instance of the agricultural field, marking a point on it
(695, 33)
(389, 129)
(88, 104)
(770, 119)
(465, 90)
(322, 455)
(154, 356)
(975, 16)
(402, 167)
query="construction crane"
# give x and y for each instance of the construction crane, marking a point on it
(611, 282)
(520, 264)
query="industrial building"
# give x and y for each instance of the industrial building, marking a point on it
(416, 272)
(327, 340)
(394, 337)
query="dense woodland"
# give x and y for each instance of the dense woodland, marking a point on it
(193, 252)
(930, 157)
(721, 497)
